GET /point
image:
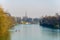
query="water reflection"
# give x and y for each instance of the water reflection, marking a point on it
(50, 34)
(33, 32)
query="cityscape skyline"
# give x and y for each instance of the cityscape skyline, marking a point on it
(34, 8)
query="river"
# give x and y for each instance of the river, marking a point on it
(33, 32)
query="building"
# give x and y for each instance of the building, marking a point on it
(25, 17)
(18, 20)
(36, 20)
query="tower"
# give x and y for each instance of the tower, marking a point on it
(25, 13)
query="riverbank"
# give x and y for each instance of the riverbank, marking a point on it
(5, 36)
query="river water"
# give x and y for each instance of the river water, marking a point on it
(33, 32)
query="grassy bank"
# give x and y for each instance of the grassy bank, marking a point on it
(5, 36)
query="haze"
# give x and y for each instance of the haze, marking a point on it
(34, 8)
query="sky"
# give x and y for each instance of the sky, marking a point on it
(34, 8)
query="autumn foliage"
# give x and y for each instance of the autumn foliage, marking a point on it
(6, 22)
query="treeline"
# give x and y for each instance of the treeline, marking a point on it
(51, 21)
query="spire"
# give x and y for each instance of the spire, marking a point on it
(25, 13)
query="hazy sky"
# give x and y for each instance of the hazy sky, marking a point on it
(34, 8)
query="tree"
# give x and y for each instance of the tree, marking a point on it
(6, 22)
